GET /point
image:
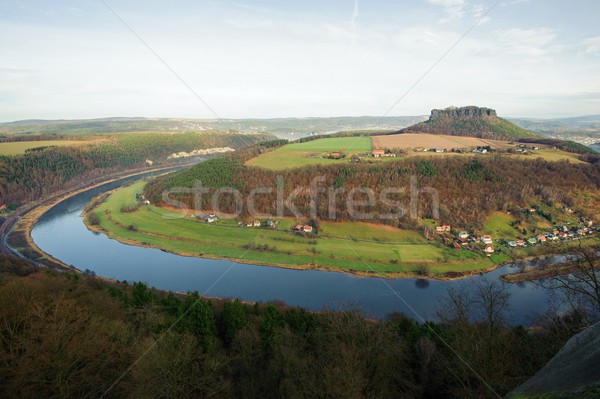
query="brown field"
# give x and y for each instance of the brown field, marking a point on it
(426, 140)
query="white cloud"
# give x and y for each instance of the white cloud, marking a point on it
(591, 45)
(447, 3)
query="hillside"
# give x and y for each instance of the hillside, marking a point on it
(583, 129)
(44, 169)
(71, 336)
(469, 189)
(291, 128)
(572, 373)
(470, 121)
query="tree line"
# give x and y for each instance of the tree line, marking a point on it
(469, 189)
(38, 173)
(71, 335)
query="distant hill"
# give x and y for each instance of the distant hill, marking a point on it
(288, 128)
(582, 129)
(472, 122)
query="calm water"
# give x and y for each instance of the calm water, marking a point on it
(61, 233)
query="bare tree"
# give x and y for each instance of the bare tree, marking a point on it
(578, 282)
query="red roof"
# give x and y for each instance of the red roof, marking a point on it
(378, 151)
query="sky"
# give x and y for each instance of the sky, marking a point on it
(263, 59)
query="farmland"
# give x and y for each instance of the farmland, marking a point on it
(410, 141)
(311, 152)
(426, 140)
(359, 248)
(20, 147)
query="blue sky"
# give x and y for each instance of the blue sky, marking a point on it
(75, 59)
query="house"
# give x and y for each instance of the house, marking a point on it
(211, 218)
(456, 246)
(462, 241)
(446, 240)
(541, 238)
(378, 153)
(532, 241)
(489, 249)
(512, 244)
(443, 228)
(588, 222)
(463, 234)
(302, 228)
(521, 243)
(269, 222)
(420, 149)
(486, 239)
(439, 150)
(256, 223)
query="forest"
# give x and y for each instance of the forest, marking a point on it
(71, 335)
(38, 173)
(469, 189)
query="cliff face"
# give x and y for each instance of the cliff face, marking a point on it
(463, 112)
(469, 121)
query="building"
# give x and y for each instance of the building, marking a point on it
(256, 223)
(443, 228)
(463, 234)
(532, 241)
(378, 153)
(307, 229)
(541, 238)
(486, 239)
(488, 249)
(512, 244)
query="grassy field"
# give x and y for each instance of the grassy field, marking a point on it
(409, 141)
(426, 140)
(19, 147)
(349, 247)
(311, 152)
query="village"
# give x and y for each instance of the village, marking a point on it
(485, 242)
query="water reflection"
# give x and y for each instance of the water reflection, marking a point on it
(61, 233)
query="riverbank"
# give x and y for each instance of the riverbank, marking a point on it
(16, 230)
(353, 248)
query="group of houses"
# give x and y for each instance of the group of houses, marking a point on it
(334, 155)
(423, 149)
(563, 233)
(302, 228)
(464, 239)
(257, 223)
(140, 197)
(382, 153)
(207, 218)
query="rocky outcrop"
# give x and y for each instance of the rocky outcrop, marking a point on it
(463, 112)
(573, 373)
(470, 121)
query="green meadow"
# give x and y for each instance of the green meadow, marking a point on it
(311, 153)
(19, 147)
(349, 247)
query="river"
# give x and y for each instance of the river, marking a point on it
(61, 233)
